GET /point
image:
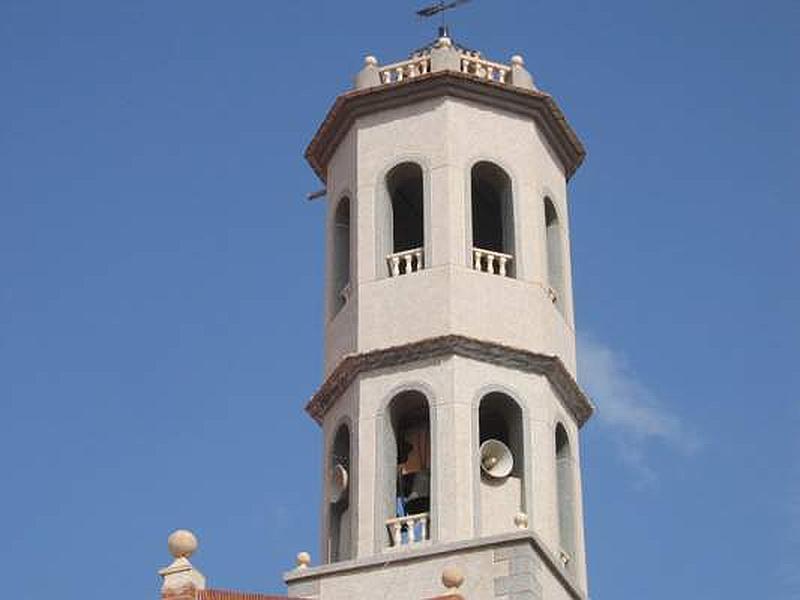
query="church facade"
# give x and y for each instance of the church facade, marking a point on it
(449, 408)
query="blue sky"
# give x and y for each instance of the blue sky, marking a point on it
(160, 282)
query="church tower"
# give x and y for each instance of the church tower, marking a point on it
(449, 407)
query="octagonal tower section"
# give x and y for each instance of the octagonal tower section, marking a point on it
(449, 407)
(447, 208)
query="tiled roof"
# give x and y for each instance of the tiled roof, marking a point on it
(230, 595)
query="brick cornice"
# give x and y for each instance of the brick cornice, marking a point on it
(540, 107)
(211, 594)
(570, 394)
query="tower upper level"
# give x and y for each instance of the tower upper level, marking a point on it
(446, 178)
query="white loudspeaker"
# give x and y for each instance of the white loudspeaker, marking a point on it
(496, 459)
(338, 483)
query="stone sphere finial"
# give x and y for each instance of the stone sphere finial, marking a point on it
(370, 61)
(182, 543)
(521, 520)
(517, 60)
(452, 578)
(303, 560)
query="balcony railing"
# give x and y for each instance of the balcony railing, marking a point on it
(471, 63)
(489, 261)
(407, 69)
(405, 262)
(408, 530)
(485, 69)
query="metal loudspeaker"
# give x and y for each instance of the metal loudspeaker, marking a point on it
(338, 483)
(496, 459)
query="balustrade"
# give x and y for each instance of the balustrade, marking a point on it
(485, 69)
(471, 63)
(489, 261)
(408, 530)
(407, 69)
(407, 261)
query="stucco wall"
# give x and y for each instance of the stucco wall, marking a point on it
(447, 137)
(511, 567)
(454, 387)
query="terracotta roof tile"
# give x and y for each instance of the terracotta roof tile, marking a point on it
(231, 595)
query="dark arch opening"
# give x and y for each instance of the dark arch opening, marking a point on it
(492, 218)
(404, 183)
(500, 418)
(340, 542)
(408, 462)
(492, 210)
(502, 496)
(555, 252)
(341, 255)
(565, 491)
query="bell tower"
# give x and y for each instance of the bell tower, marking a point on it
(449, 407)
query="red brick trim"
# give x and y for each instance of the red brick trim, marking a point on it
(572, 397)
(232, 595)
(185, 593)
(530, 103)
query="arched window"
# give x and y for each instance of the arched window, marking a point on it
(341, 255)
(555, 253)
(405, 188)
(339, 483)
(492, 219)
(502, 494)
(408, 460)
(565, 492)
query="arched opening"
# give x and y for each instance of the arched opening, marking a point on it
(492, 219)
(555, 253)
(566, 494)
(408, 494)
(339, 484)
(502, 492)
(340, 279)
(405, 187)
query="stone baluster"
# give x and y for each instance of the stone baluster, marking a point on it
(410, 528)
(418, 256)
(395, 266)
(502, 268)
(490, 259)
(424, 528)
(397, 528)
(478, 260)
(407, 263)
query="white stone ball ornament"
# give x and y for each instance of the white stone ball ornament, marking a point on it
(452, 578)
(182, 543)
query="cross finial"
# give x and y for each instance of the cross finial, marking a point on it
(441, 7)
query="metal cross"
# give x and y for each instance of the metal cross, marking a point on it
(440, 7)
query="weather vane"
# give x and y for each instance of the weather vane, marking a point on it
(440, 7)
